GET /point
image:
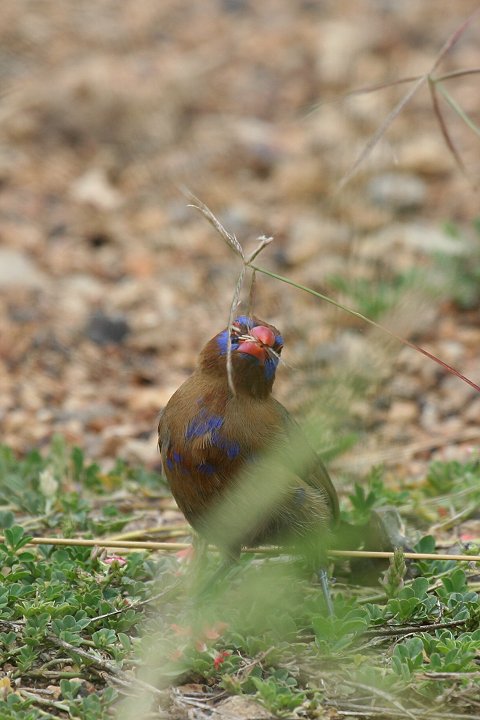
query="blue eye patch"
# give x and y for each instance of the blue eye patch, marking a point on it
(222, 341)
(244, 320)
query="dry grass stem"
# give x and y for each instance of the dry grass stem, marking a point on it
(271, 550)
(235, 245)
(443, 126)
(421, 80)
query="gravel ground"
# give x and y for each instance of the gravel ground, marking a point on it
(110, 284)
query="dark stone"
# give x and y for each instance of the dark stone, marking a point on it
(98, 240)
(104, 329)
(235, 6)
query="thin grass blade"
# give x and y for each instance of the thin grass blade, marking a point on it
(404, 341)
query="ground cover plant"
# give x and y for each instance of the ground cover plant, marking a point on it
(78, 624)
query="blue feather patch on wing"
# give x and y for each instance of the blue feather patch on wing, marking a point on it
(205, 424)
(202, 424)
(230, 447)
(206, 468)
(174, 459)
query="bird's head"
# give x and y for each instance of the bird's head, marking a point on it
(256, 347)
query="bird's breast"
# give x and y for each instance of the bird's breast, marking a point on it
(205, 442)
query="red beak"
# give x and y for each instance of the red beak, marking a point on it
(262, 337)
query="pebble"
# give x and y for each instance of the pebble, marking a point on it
(94, 188)
(406, 387)
(472, 413)
(418, 237)
(317, 272)
(310, 236)
(429, 417)
(17, 269)
(141, 451)
(76, 294)
(451, 425)
(82, 285)
(425, 154)
(455, 395)
(341, 41)
(398, 192)
(258, 145)
(147, 399)
(86, 412)
(402, 412)
(450, 351)
(301, 179)
(239, 706)
(104, 329)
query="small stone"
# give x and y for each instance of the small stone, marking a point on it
(301, 179)
(145, 399)
(406, 387)
(429, 418)
(451, 425)
(141, 451)
(320, 269)
(240, 707)
(81, 285)
(426, 155)
(172, 516)
(104, 329)
(340, 44)
(403, 412)
(76, 293)
(455, 395)
(17, 269)
(309, 237)
(399, 192)
(451, 351)
(260, 151)
(94, 188)
(419, 238)
(472, 413)
(235, 6)
(469, 336)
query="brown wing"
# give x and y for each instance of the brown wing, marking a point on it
(312, 468)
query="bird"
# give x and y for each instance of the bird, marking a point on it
(214, 435)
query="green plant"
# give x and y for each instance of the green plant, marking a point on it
(374, 297)
(279, 693)
(407, 658)
(413, 602)
(460, 272)
(72, 619)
